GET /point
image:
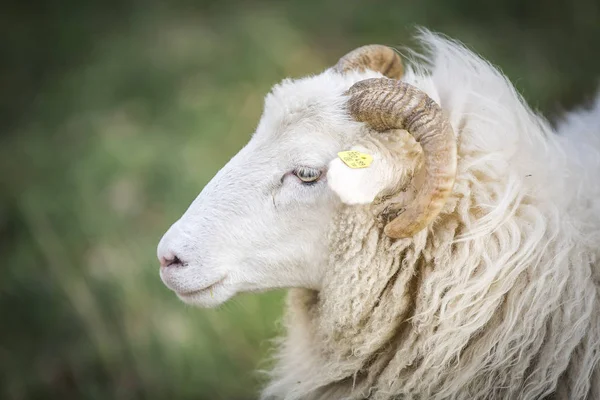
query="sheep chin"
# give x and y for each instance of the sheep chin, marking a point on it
(208, 297)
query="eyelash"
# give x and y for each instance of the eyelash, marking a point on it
(307, 176)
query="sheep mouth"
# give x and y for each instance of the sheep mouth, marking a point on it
(205, 290)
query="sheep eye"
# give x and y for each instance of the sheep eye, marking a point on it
(307, 175)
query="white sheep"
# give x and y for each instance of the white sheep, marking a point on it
(463, 263)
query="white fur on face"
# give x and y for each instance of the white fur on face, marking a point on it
(256, 226)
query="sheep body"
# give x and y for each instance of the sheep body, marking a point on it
(498, 299)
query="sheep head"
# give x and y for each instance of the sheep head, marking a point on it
(263, 221)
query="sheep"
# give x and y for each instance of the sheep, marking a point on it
(462, 263)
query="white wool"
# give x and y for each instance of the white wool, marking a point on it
(499, 298)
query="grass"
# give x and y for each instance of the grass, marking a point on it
(135, 111)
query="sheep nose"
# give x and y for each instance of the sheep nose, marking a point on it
(169, 250)
(170, 260)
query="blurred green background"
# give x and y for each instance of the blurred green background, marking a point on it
(115, 114)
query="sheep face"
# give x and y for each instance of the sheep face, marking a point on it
(263, 221)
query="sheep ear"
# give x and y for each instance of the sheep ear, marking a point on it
(360, 185)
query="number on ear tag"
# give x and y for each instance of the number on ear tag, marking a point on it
(355, 159)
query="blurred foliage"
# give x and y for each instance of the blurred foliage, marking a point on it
(113, 116)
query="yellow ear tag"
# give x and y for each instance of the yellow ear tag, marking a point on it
(355, 159)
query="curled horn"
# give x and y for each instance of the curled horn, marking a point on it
(391, 104)
(375, 57)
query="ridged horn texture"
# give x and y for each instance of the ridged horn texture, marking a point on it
(390, 104)
(375, 57)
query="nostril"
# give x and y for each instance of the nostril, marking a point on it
(171, 261)
(175, 261)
